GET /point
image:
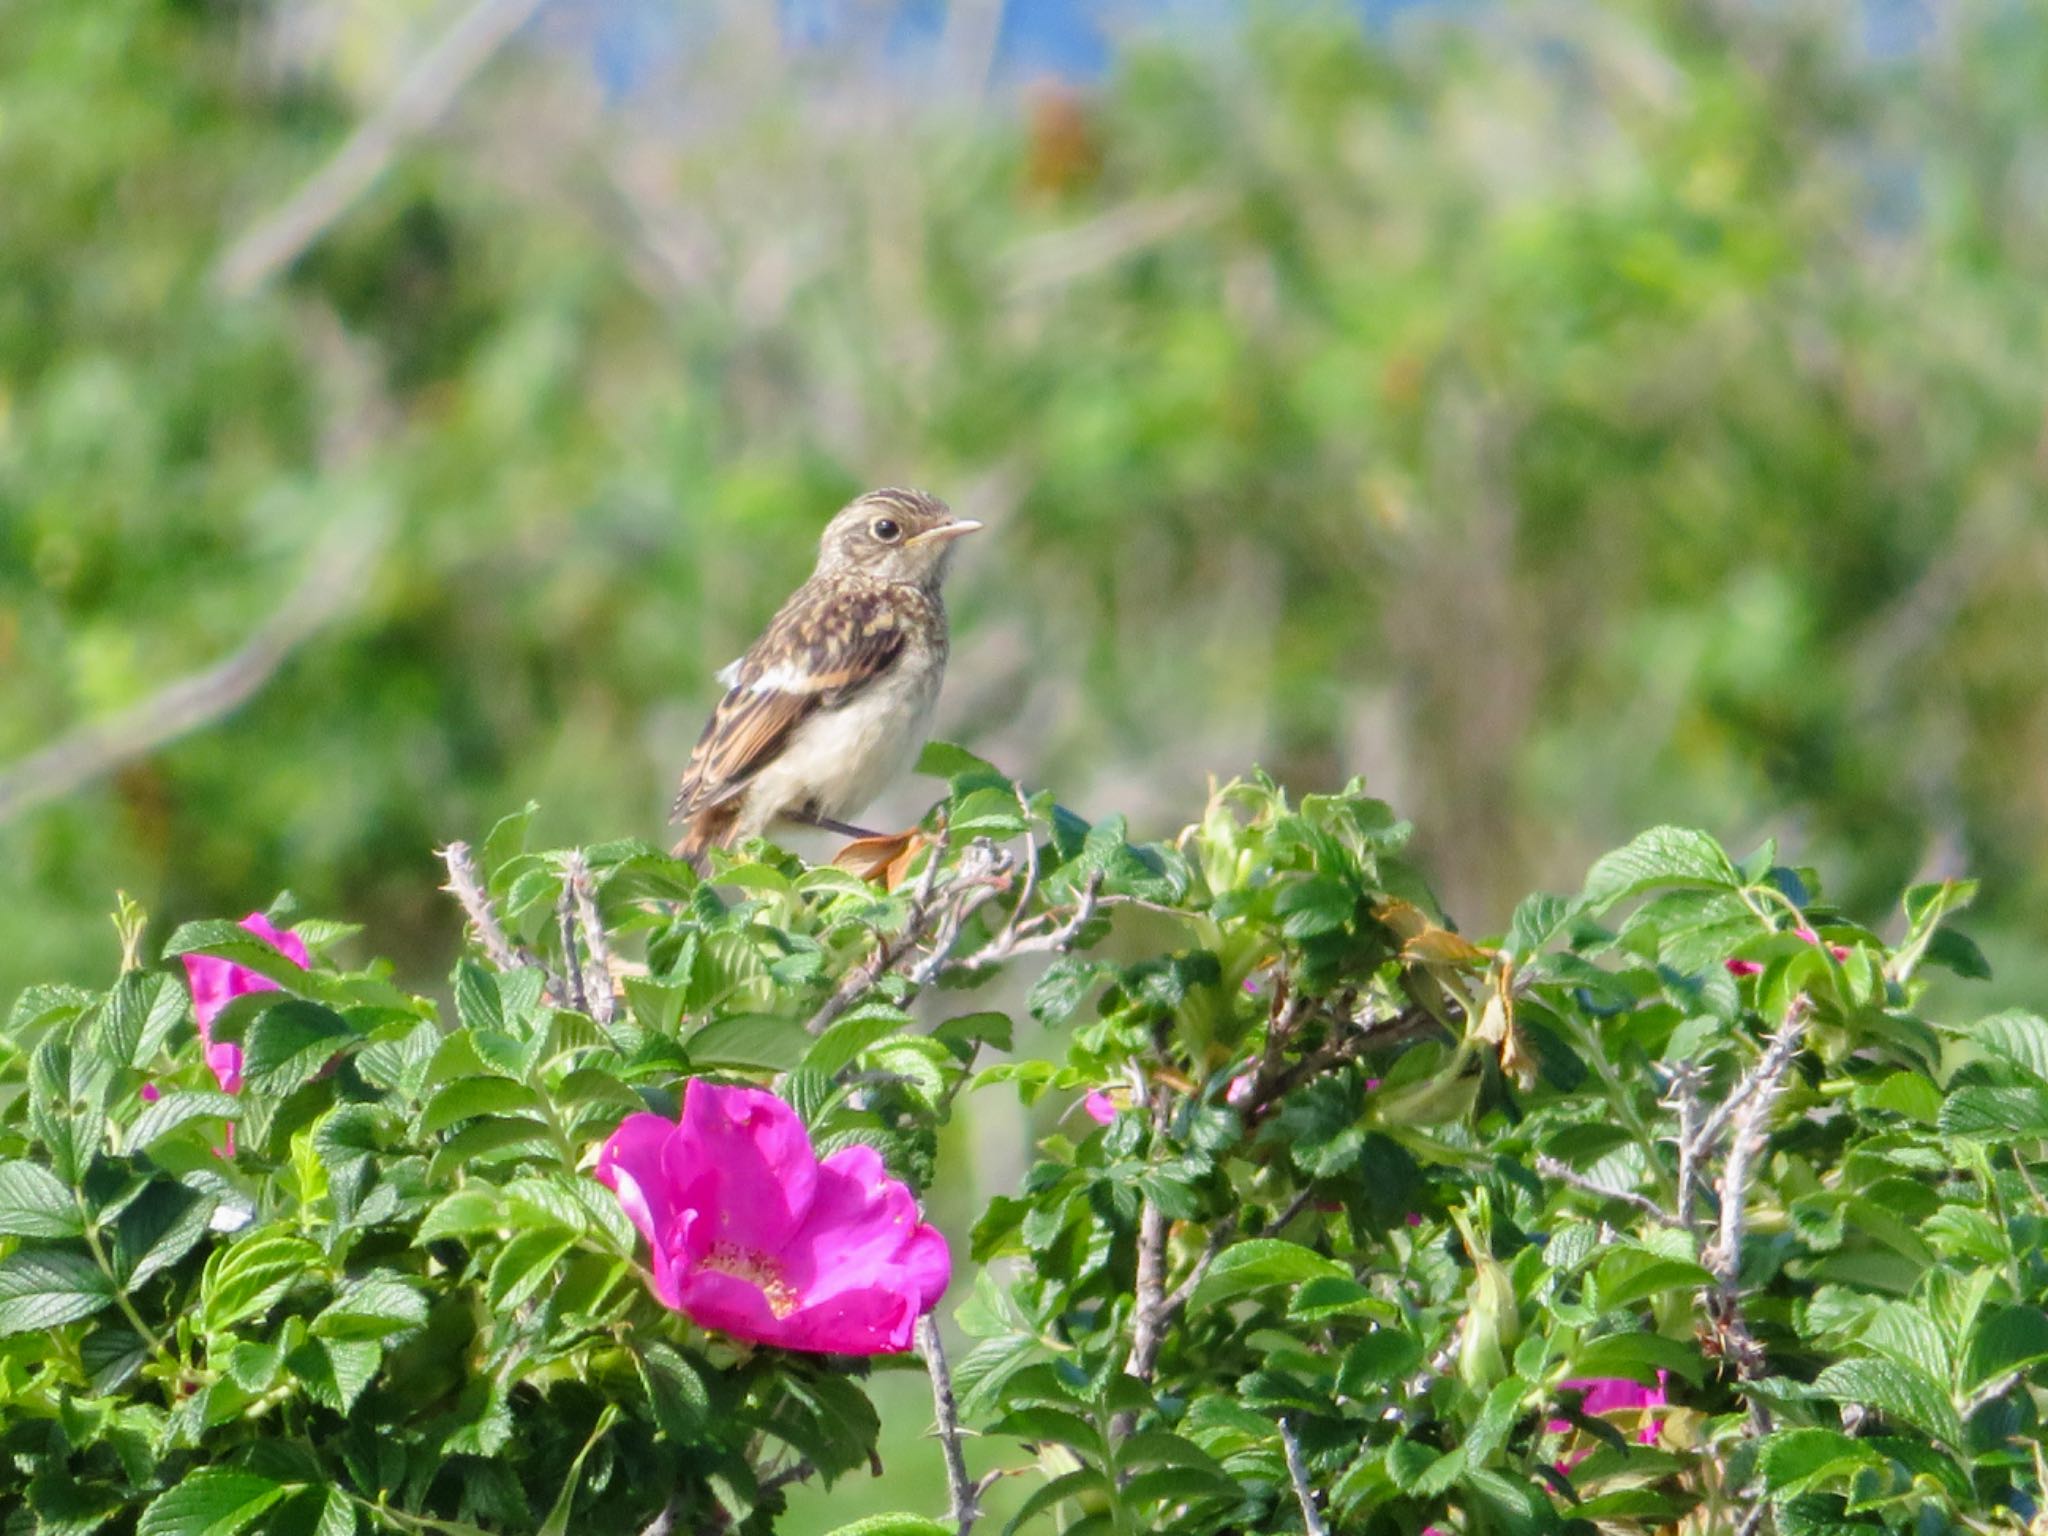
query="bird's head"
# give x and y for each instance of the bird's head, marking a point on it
(895, 536)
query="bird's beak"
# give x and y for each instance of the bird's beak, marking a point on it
(945, 533)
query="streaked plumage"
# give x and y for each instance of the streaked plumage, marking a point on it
(834, 699)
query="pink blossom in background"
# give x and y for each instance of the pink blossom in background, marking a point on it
(1240, 1087)
(1744, 967)
(1101, 1108)
(216, 983)
(151, 1093)
(1611, 1394)
(1839, 951)
(754, 1236)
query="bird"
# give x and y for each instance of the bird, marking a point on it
(834, 700)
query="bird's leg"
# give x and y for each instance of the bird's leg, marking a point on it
(810, 818)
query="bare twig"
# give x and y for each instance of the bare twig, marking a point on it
(1685, 1098)
(1564, 1173)
(574, 996)
(604, 1002)
(467, 887)
(965, 1494)
(336, 572)
(1758, 1093)
(1148, 1322)
(275, 241)
(861, 980)
(1297, 1473)
(1050, 262)
(1764, 1082)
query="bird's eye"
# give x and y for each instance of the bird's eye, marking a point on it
(887, 529)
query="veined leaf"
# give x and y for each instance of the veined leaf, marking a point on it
(1660, 857)
(43, 1288)
(34, 1202)
(1896, 1390)
(212, 1501)
(1260, 1262)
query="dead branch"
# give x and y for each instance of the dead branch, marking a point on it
(336, 573)
(965, 1495)
(278, 239)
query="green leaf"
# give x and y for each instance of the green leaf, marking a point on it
(893, 1525)
(43, 1288)
(1660, 857)
(945, 760)
(1996, 1114)
(1907, 1334)
(1054, 1426)
(1537, 921)
(1795, 1460)
(557, 1523)
(2018, 1036)
(378, 1306)
(227, 940)
(1895, 1389)
(1384, 1355)
(1066, 1486)
(335, 1371)
(244, 1278)
(1629, 1275)
(1257, 1263)
(158, 1228)
(988, 812)
(2008, 1339)
(290, 1044)
(478, 1002)
(525, 1265)
(1638, 1357)
(34, 1202)
(749, 1040)
(470, 1097)
(852, 1034)
(175, 1109)
(1316, 904)
(212, 1501)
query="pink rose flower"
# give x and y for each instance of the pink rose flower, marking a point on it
(1101, 1108)
(1611, 1394)
(216, 983)
(752, 1235)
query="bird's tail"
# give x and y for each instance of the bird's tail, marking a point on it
(710, 828)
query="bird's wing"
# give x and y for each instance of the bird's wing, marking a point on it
(822, 649)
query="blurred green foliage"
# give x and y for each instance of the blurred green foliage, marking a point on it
(1592, 416)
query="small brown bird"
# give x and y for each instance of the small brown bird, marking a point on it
(834, 700)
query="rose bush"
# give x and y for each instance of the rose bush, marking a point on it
(1671, 1205)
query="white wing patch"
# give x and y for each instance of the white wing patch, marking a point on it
(783, 678)
(729, 674)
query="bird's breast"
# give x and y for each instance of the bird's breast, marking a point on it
(840, 759)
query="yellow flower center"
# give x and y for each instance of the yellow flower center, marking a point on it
(758, 1270)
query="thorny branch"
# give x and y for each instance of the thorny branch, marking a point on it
(467, 887)
(965, 1497)
(575, 997)
(1758, 1094)
(1297, 1473)
(604, 1002)
(1564, 1173)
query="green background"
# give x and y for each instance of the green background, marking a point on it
(1571, 419)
